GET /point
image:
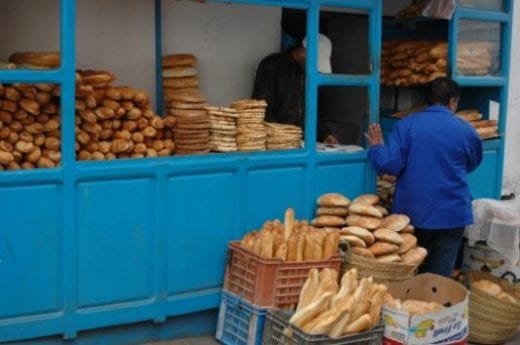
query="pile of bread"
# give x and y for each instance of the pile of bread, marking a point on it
(251, 131)
(283, 137)
(486, 129)
(475, 58)
(326, 308)
(291, 240)
(495, 290)
(386, 190)
(413, 307)
(368, 229)
(408, 63)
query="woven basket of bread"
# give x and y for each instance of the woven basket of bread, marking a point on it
(382, 272)
(494, 308)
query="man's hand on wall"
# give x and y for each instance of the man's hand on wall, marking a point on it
(374, 135)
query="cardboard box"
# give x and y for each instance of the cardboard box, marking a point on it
(482, 258)
(448, 326)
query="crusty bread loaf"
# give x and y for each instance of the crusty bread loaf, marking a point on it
(409, 242)
(363, 252)
(354, 241)
(362, 233)
(395, 222)
(309, 289)
(369, 223)
(333, 200)
(364, 209)
(178, 60)
(414, 256)
(181, 83)
(386, 235)
(383, 248)
(332, 211)
(367, 199)
(330, 246)
(389, 258)
(334, 221)
(41, 59)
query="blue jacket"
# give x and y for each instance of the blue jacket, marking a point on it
(431, 153)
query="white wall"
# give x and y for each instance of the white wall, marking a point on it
(118, 35)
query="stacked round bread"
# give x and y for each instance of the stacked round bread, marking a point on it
(408, 63)
(251, 132)
(368, 228)
(223, 131)
(184, 101)
(281, 136)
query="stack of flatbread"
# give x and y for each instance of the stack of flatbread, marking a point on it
(281, 136)
(223, 130)
(251, 133)
(486, 129)
(184, 101)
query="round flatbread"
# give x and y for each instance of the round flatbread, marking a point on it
(180, 83)
(179, 71)
(174, 60)
(183, 105)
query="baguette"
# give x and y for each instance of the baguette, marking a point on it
(288, 223)
(309, 289)
(300, 254)
(311, 310)
(292, 248)
(359, 325)
(330, 246)
(281, 252)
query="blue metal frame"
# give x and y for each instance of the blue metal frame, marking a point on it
(114, 238)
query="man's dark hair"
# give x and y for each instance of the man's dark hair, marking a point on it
(441, 90)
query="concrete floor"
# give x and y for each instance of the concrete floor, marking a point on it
(212, 341)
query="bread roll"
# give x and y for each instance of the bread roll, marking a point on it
(333, 200)
(302, 240)
(414, 256)
(367, 199)
(395, 222)
(409, 242)
(488, 287)
(334, 221)
(383, 248)
(363, 221)
(389, 258)
(354, 241)
(332, 211)
(386, 235)
(363, 252)
(383, 210)
(178, 60)
(179, 72)
(410, 229)
(362, 233)
(364, 209)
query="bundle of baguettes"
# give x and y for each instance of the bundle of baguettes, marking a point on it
(412, 306)
(486, 129)
(291, 240)
(184, 101)
(408, 63)
(326, 308)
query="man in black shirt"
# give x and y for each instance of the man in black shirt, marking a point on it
(280, 80)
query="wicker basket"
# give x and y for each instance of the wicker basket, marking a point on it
(382, 272)
(491, 319)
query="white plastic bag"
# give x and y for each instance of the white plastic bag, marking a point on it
(441, 9)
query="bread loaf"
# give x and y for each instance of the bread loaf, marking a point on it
(367, 199)
(488, 287)
(178, 60)
(362, 233)
(309, 289)
(333, 200)
(386, 235)
(414, 256)
(389, 258)
(354, 241)
(364, 209)
(332, 211)
(363, 252)
(334, 221)
(395, 222)
(363, 222)
(409, 242)
(383, 248)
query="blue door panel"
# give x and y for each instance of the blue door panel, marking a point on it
(30, 251)
(115, 241)
(271, 191)
(482, 181)
(348, 179)
(201, 219)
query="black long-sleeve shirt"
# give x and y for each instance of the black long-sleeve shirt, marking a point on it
(280, 80)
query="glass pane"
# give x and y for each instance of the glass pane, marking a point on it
(480, 107)
(348, 31)
(494, 5)
(30, 131)
(478, 50)
(343, 114)
(30, 34)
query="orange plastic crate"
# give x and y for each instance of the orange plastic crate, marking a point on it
(269, 282)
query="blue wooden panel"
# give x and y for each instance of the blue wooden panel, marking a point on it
(482, 181)
(271, 191)
(30, 250)
(346, 178)
(115, 241)
(202, 218)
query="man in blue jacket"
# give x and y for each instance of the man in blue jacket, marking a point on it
(431, 153)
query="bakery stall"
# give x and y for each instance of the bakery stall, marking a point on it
(115, 226)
